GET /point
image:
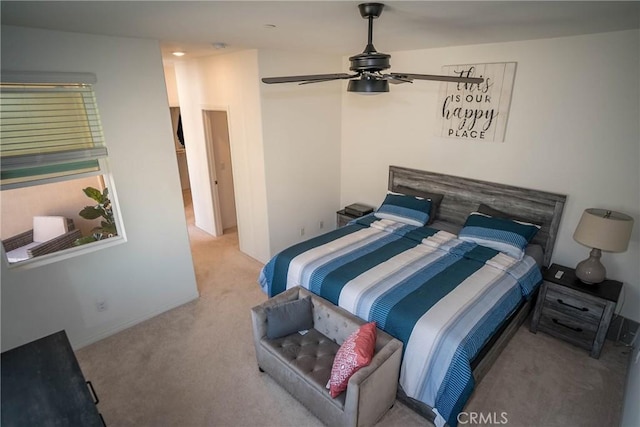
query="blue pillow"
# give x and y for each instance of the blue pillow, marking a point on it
(501, 234)
(406, 209)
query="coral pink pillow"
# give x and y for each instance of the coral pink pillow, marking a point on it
(355, 353)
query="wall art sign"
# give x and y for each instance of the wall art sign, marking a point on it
(476, 111)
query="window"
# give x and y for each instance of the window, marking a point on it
(52, 156)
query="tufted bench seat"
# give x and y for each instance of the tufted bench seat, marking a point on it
(310, 356)
(301, 364)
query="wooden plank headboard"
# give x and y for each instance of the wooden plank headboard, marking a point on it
(463, 196)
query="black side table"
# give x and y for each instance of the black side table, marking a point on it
(342, 218)
(351, 212)
(42, 385)
(573, 311)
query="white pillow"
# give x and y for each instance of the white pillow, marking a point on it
(47, 227)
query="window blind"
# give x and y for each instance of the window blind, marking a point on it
(48, 130)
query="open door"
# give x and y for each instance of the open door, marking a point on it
(219, 151)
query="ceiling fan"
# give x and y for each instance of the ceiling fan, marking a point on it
(368, 66)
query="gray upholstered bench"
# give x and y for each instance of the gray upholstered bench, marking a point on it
(301, 364)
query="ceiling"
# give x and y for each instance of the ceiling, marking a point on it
(333, 27)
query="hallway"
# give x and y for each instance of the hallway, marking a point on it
(210, 252)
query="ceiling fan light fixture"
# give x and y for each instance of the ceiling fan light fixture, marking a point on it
(368, 86)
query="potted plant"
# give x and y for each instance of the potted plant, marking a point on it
(102, 210)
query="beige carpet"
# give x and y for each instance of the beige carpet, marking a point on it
(195, 365)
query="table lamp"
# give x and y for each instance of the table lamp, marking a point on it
(601, 230)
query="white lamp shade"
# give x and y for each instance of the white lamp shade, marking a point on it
(604, 230)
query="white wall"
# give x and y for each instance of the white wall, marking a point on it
(153, 270)
(227, 82)
(188, 83)
(301, 131)
(630, 409)
(285, 144)
(572, 129)
(172, 88)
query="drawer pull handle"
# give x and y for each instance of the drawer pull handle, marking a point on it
(573, 306)
(93, 393)
(557, 322)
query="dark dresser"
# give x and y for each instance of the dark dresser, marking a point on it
(42, 385)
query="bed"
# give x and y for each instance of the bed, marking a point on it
(452, 297)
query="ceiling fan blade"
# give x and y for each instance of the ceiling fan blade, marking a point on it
(310, 82)
(396, 79)
(308, 79)
(409, 77)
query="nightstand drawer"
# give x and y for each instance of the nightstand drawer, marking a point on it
(567, 327)
(582, 308)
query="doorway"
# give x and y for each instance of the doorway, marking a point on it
(216, 127)
(181, 154)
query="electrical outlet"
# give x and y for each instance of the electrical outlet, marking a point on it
(101, 305)
(321, 225)
(302, 231)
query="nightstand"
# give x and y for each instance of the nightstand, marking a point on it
(351, 212)
(342, 218)
(573, 311)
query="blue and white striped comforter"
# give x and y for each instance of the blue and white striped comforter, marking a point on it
(441, 296)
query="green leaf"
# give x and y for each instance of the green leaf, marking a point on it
(102, 209)
(90, 212)
(94, 193)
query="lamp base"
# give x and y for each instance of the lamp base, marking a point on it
(591, 271)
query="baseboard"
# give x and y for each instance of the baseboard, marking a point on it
(121, 327)
(622, 329)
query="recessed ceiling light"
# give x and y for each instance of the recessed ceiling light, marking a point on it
(178, 53)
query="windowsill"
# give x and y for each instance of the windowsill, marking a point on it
(65, 254)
